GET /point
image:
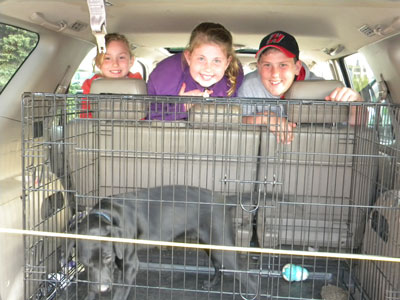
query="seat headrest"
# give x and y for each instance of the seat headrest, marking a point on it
(118, 108)
(118, 86)
(323, 112)
(312, 89)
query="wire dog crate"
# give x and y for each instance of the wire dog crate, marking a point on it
(333, 191)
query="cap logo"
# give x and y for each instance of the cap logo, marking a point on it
(276, 38)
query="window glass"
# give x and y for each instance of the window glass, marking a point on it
(15, 46)
(249, 67)
(87, 70)
(361, 77)
(321, 69)
(363, 80)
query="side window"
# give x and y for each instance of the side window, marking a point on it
(321, 69)
(361, 77)
(87, 70)
(16, 44)
(363, 81)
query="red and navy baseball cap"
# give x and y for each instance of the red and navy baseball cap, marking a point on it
(282, 41)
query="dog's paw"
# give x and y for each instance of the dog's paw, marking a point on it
(206, 285)
(209, 284)
(90, 296)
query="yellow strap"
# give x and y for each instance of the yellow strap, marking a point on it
(203, 246)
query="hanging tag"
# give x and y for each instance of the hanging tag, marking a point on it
(97, 13)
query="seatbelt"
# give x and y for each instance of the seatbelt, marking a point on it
(97, 13)
(62, 86)
(383, 91)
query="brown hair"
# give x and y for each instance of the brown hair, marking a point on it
(110, 37)
(208, 32)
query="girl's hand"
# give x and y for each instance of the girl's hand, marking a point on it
(182, 92)
(197, 92)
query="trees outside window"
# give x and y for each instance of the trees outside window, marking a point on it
(15, 46)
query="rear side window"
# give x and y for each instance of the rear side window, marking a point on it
(363, 81)
(85, 70)
(361, 77)
(16, 44)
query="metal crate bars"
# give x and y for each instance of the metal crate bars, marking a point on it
(316, 195)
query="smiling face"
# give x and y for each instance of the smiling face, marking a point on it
(277, 71)
(207, 63)
(117, 60)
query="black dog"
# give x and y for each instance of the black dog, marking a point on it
(161, 213)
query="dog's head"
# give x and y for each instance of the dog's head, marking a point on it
(101, 259)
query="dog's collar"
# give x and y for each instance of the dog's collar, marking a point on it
(102, 214)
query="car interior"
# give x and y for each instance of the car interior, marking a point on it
(317, 218)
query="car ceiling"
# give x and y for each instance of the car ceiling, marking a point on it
(150, 23)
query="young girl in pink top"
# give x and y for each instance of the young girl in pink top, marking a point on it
(115, 63)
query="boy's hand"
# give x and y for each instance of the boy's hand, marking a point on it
(344, 94)
(279, 126)
(282, 129)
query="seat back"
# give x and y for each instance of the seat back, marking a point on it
(107, 102)
(312, 174)
(210, 150)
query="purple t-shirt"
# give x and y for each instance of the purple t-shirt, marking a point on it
(167, 79)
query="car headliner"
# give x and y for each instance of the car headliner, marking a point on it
(156, 24)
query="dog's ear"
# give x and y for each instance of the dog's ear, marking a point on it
(118, 247)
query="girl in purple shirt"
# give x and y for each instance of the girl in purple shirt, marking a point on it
(208, 67)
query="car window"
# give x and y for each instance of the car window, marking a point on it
(322, 69)
(16, 44)
(363, 81)
(87, 69)
(361, 77)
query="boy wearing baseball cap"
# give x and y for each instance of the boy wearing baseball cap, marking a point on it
(278, 66)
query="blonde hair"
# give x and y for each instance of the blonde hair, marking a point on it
(110, 37)
(208, 32)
